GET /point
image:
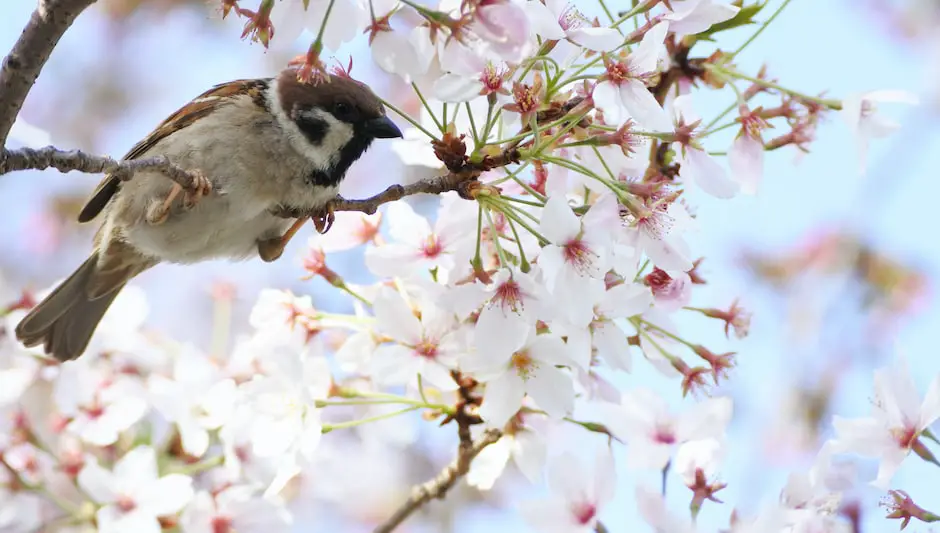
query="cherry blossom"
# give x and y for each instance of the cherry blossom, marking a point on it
(525, 367)
(417, 246)
(624, 95)
(695, 16)
(653, 509)
(579, 494)
(428, 346)
(897, 421)
(860, 113)
(100, 406)
(644, 421)
(578, 254)
(132, 495)
(697, 166)
(196, 399)
(237, 508)
(503, 29)
(525, 442)
(558, 19)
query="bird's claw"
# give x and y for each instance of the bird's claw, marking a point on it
(199, 187)
(324, 221)
(158, 211)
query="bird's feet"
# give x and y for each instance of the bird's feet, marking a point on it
(323, 220)
(160, 210)
(271, 249)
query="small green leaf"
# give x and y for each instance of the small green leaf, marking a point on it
(744, 17)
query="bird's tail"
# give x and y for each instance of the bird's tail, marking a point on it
(65, 321)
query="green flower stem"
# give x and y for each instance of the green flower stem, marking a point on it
(643, 7)
(503, 260)
(509, 212)
(318, 43)
(427, 108)
(669, 334)
(521, 201)
(830, 103)
(408, 118)
(353, 423)
(523, 262)
(477, 260)
(640, 331)
(473, 126)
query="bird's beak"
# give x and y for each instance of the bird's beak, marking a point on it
(382, 128)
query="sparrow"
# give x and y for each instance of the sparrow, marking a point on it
(265, 150)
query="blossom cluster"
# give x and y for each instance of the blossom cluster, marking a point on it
(564, 256)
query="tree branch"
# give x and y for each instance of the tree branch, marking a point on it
(43, 158)
(22, 66)
(443, 482)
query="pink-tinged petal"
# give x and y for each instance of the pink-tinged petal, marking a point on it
(544, 21)
(490, 464)
(456, 89)
(607, 99)
(194, 438)
(643, 107)
(696, 17)
(646, 56)
(497, 335)
(550, 349)
(707, 419)
(602, 218)
(930, 409)
(896, 394)
(627, 300)
(502, 399)
(167, 495)
(865, 436)
(552, 389)
(438, 375)
(596, 39)
(392, 260)
(568, 478)
(530, 452)
(198, 515)
(110, 519)
(559, 224)
(746, 159)
(394, 318)
(139, 465)
(708, 174)
(394, 365)
(405, 225)
(890, 462)
(97, 482)
(569, 292)
(648, 455)
(394, 54)
(552, 262)
(549, 516)
(605, 476)
(668, 253)
(683, 108)
(612, 345)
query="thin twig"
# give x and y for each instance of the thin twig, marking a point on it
(443, 482)
(67, 161)
(22, 66)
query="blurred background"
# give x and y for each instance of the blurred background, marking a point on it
(839, 270)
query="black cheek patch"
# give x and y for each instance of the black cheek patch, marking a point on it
(313, 128)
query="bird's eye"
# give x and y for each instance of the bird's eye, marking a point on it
(342, 109)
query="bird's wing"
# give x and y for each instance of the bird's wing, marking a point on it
(201, 106)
